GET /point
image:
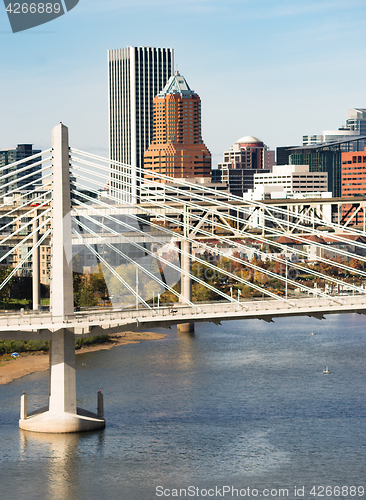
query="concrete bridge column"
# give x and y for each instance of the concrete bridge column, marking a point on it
(61, 414)
(186, 283)
(62, 387)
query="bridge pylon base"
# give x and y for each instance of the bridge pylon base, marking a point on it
(61, 422)
(186, 327)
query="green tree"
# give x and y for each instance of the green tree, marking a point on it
(84, 295)
(5, 294)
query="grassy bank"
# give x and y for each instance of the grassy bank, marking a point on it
(9, 346)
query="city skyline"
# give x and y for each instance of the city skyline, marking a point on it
(274, 71)
(135, 76)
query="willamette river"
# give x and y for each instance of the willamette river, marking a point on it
(244, 405)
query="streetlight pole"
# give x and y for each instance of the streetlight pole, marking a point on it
(137, 288)
(286, 279)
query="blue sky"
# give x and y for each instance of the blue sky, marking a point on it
(275, 69)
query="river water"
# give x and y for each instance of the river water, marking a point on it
(244, 405)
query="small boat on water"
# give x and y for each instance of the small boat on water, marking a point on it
(326, 371)
(312, 333)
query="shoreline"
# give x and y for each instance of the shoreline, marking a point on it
(32, 362)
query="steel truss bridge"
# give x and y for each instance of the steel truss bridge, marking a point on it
(173, 237)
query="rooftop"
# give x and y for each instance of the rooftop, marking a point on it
(329, 144)
(248, 139)
(177, 84)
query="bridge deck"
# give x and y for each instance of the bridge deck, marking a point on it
(98, 322)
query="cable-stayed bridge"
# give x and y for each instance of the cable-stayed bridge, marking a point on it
(174, 253)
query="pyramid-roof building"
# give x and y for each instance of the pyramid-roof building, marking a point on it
(177, 84)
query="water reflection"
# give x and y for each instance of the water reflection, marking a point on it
(62, 453)
(245, 404)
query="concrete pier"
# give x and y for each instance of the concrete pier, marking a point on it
(186, 282)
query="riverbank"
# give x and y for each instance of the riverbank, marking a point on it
(31, 362)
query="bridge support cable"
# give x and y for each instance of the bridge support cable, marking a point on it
(23, 226)
(23, 160)
(183, 270)
(26, 214)
(305, 241)
(268, 241)
(250, 265)
(216, 269)
(24, 260)
(203, 189)
(231, 197)
(28, 236)
(110, 268)
(170, 264)
(126, 257)
(19, 207)
(32, 183)
(240, 246)
(270, 217)
(32, 174)
(24, 169)
(187, 255)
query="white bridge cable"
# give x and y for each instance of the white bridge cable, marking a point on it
(161, 259)
(110, 268)
(23, 226)
(129, 259)
(32, 174)
(26, 214)
(244, 247)
(204, 189)
(12, 250)
(32, 165)
(240, 221)
(33, 200)
(19, 265)
(182, 271)
(219, 252)
(230, 196)
(248, 264)
(207, 264)
(32, 183)
(272, 230)
(23, 160)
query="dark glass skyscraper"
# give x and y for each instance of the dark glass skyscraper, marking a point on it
(10, 179)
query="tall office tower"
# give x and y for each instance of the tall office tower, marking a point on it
(10, 179)
(136, 76)
(177, 149)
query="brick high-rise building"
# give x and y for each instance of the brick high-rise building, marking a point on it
(177, 149)
(353, 184)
